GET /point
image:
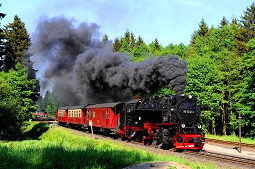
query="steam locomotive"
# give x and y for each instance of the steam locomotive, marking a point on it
(167, 122)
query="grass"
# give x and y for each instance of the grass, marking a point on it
(231, 138)
(34, 130)
(59, 148)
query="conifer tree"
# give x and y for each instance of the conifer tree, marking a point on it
(234, 21)
(105, 39)
(223, 22)
(132, 41)
(17, 42)
(139, 41)
(202, 31)
(116, 45)
(127, 37)
(156, 45)
(247, 23)
(247, 28)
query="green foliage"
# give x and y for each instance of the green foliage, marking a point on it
(165, 91)
(205, 82)
(52, 104)
(16, 105)
(155, 48)
(17, 42)
(218, 47)
(34, 130)
(140, 53)
(247, 97)
(180, 50)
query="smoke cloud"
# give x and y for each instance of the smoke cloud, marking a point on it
(85, 71)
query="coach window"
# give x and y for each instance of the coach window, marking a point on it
(90, 113)
(107, 114)
(87, 113)
(94, 113)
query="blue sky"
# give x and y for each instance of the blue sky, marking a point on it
(171, 21)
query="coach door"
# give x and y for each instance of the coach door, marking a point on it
(107, 118)
(102, 121)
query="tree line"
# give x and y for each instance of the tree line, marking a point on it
(221, 74)
(19, 88)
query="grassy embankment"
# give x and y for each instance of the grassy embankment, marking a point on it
(230, 138)
(59, 148)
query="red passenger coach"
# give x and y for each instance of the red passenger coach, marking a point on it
(77, 115)
(105, 117)
(62, 115)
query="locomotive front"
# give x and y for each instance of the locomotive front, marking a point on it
(188, 134)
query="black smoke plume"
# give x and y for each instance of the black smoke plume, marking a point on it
(83, 70)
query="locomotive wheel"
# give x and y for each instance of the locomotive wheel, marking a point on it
(123, 138)
(178, 150)
(146, 142)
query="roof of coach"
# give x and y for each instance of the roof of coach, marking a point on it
(104, 105)
(78, 107)
(133, 101)
(63, 108)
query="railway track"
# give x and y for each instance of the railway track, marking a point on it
(232, 143)
(249, 162)
(242, 161)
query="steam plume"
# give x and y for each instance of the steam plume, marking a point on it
(87, 71)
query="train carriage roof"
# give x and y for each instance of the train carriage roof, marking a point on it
(63, 108)
(78, 107)
(105, 105)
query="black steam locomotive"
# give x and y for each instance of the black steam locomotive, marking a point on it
(170, 121)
